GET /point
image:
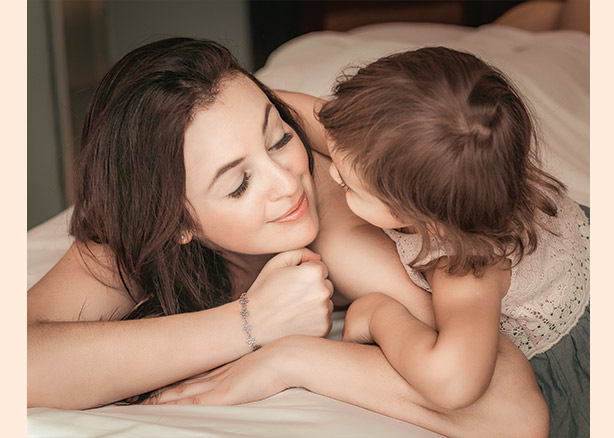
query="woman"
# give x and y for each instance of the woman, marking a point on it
(192, 176)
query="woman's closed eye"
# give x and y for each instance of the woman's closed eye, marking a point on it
(242, 187)
(283, 142)
(238, 192)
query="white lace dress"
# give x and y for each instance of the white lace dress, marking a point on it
(549, 288)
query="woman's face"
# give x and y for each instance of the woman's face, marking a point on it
(247, 174)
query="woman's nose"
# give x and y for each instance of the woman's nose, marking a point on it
(283, 182)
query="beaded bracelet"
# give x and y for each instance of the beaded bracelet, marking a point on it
(243, 300)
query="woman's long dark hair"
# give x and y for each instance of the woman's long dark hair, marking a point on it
(130, 175)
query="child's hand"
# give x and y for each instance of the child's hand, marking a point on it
(359, 315)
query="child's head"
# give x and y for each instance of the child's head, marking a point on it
(444, 143)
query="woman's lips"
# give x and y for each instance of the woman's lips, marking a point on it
(296, 212)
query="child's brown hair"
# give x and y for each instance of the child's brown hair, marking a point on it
(445, 141)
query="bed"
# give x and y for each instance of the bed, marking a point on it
(550, 68)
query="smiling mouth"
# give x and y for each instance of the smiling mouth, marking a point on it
(295, 212)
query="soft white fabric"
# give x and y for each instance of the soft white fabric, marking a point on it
(551, 69)
(549, 288)
(310, 64)
(295, 413)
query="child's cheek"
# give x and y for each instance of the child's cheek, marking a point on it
(354, 206)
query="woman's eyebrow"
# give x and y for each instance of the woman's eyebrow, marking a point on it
(225, 168)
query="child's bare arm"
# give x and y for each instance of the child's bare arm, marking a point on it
(452, 366)
(307, 106)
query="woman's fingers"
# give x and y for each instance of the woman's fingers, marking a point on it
(292, 258)
(329, 285)
(203, 398)
(186, 391)
(188, 388)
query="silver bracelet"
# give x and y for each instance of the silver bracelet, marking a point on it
(243, 300)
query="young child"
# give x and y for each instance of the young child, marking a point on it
(437, 148)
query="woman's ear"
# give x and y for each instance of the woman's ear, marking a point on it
(185, 237)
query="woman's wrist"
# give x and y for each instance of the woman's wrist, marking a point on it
(235, 340)
(245, 318)
(289, 358)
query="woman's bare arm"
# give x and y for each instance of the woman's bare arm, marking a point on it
(360, 374)
(81, 355)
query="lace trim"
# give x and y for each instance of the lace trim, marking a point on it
(549, 289)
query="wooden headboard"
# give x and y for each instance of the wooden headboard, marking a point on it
(274, 22)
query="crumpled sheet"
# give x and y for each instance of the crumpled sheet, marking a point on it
(295, 413)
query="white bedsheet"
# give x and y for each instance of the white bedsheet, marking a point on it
(551, 69)
(294, 413)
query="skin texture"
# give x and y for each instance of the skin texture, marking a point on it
(270, 176)
(452, 365)
(346, 370)
(116, 359)
(74, 312)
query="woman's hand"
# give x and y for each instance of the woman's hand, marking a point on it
(292, 295)
(360, 314)
(253, 377)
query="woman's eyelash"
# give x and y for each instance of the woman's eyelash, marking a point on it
(246, 176)
(284, 141)
(241, 189)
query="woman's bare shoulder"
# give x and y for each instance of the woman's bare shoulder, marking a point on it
(307, 106)
(82, 286)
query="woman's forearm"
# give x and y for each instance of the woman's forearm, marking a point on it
(77, 365)
(361, 375)
(354, 373)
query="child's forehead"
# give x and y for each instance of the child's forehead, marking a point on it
(348, 171)
(342, 157)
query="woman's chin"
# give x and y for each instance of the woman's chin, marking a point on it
(304, 237)
(301, 241)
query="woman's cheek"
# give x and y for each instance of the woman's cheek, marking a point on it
(297, 158)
